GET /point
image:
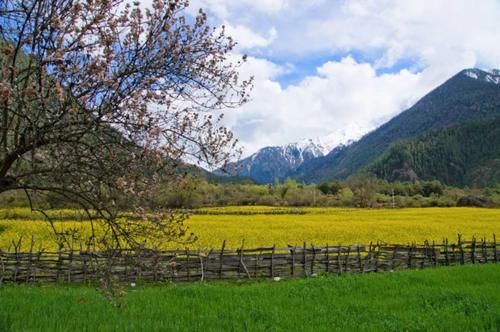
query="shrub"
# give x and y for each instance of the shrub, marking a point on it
(473, 200)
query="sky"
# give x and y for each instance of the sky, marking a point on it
(324, 65)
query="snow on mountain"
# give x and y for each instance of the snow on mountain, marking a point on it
(321, 146)
(472, 74)
(343, 136)
(490, 76)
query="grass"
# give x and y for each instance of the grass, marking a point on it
(263, 226)
(444, 299)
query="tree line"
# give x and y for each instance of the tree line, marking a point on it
(361, 191)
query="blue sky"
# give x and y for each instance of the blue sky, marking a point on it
(322, 66)
(304, 66)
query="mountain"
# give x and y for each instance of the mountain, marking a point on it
(274, 162)
(472, 94)
(463, 154)
(277, 162)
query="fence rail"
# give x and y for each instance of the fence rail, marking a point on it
(222, 263)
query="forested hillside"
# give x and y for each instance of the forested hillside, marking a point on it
(466, 154)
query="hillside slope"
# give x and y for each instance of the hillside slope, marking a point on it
(465, 154)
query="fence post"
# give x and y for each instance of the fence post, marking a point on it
(360, 267)
(38, 258)
(293, 261)
(394, 255)
(434, 253)
(473, 250)
(221, 258)
(305, 260)
(368, 258)
(346, 263)
(313, 259)
(460, 247)
(30, 269)
(339, 263)
(2, 272)
(84, 256)
(207, 260)
(70, 264)
(242, 263)
(202, 272)
(188, 271)
(240, 254)
(447, 259)
(256, 267)
(495, 247)
(272, 261)
(327, 265)
(485, 251)
(59, 264)
(410, 249)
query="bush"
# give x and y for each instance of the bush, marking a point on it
(473, 200)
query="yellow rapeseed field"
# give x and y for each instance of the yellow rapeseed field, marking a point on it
(264, 226)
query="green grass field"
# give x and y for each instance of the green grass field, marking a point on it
(446, 299)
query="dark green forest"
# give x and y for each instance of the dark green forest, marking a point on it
(465, 154)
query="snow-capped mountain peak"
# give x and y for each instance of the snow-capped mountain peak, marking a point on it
(308, 145)
(276, 162)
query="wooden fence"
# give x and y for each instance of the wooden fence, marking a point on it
(268, 262)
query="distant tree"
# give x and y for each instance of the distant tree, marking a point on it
(332, 188)
(99, 100)
(364, 187)
(284, 191)
(432, 188)
(324, 187)
(290, 183)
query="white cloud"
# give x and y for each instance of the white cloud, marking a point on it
(247, 38)
(424, 30)
(341, 93)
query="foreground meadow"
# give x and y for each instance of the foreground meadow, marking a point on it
(263, 226)
(465, 298)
